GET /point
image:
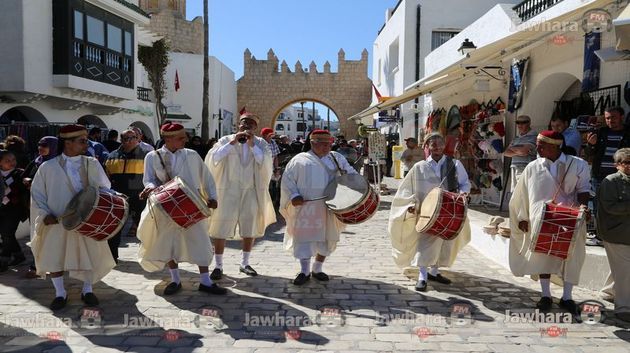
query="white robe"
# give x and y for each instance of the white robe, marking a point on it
(409, 247)
(535, 187)
(311, 228)
(161, 238)
(243, 197)
(54, 248)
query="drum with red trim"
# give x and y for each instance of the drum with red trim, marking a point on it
(442, 214)
(96, 214)
(353, 200)
(557, 230)
(182, 204)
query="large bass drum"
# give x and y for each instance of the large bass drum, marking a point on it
(442, 214)
(352, 199)
(184, 206)
(557, 230)
(96, 214)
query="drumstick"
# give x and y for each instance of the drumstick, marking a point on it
(317, 198)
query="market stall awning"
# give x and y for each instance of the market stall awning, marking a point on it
(622, 29)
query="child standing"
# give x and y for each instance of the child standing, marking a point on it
(13, 209)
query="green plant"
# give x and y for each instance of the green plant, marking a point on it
(155, 60)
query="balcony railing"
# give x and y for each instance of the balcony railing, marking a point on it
(530, 8)
(144, 94)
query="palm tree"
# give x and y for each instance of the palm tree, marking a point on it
(206, 81)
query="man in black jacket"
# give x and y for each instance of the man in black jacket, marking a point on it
(125, 168)
(600, 149)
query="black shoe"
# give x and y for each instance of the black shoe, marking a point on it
(439, 278)
(301, 279)
(89, 299)
(544, 304)
(421, 286)
(320, 276)
(248, 270)
(212, 289)
(216, 274)
(570, 306)
(172, 288)
(4, 267)
(17, 259)
(58, 303)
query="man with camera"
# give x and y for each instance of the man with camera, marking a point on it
(242, 165)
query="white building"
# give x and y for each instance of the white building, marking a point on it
(289, 122)
(411, 31)
(66, 61)
(184, 105)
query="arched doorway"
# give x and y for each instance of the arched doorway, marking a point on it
(22, 114)
(541, 101)
(92, 120)
(299, 117)
(148, 135)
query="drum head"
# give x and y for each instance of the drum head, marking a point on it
(348, 190)
(428, 208)
(79, 208)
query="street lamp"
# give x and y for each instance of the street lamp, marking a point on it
(467, 47)
(303, 122)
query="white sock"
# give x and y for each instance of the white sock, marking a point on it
(434, 271)
(60, 291)
(245, 261)
(304, 265)
(567, 291)
(87, 287)
(545, 285)
(204, 278)
(317, 266)
(422, 275)
(175, 275)
(218, 258)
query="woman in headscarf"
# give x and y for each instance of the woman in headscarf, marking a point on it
(47, 148)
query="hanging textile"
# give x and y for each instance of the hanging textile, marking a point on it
(592, 42)
(518, 76)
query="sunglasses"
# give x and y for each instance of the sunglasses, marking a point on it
(131, 138)
(624, 162)
(522, 122)
(83, 141)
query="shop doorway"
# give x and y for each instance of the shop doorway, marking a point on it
(24, 114)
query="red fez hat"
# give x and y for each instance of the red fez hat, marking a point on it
(266, 131)
(321, 135)
(72, 131)
(550, 136)
(171, 129)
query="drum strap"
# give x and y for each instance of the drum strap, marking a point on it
(566, 171)
(168, 175)
(341, 171)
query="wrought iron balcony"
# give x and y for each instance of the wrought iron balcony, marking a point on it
(144, 94)
(530, 8)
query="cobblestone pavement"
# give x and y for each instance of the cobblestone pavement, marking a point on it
(368, 306)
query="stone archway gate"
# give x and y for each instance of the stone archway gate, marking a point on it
(265, 90)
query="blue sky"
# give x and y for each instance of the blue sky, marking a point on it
(312, 30)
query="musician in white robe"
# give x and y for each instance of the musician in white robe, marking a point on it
(312, 229)
(410, 248)
(565, 180)
(162, 240)
(56, 249)
(242, 166)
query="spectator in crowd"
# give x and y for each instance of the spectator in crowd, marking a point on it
(389, 161)
(522, 150)
(412, 155)
(274, 185)
(267, 134)
(17, 145)
(125, 168)
(143, 145)
(284, 145)
(613, 222)
(572, 138)
(350, 153)
(297, 145)
(95, 148)
(197, 145)
(13, 209)
(112, 143)
(600, 149)
(211, 143)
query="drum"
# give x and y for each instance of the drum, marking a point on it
(353, 200)
(557, 230)
(96, 214)
(442, 214)
(184, 206)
